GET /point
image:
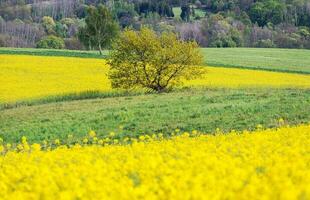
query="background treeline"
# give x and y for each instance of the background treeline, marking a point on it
(212, 23)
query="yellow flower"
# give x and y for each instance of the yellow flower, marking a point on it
(62, 75)
(20, 147)
(107, 140)
(85, 140)
(70, 136)
(186, 134)
(111, 134)
(95, 139)
(36, 147)
(141, 137)
(100, 142)
(259, 126)
(92, 134)
(194, 132)
(57, 142)
(272, 163)
(126, 139)
(24, 139)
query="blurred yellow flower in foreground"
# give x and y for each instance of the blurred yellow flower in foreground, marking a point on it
(264, 164)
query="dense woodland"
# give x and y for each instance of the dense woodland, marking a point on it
(212, 23)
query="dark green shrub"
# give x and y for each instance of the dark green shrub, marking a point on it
(51, 42)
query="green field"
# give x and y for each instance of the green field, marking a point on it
(200, 109)
(177, 13)
(51, 52)
(284, 60)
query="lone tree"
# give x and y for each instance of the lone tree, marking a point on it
(100, 29)
(144, 59)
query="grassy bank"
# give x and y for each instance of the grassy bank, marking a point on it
(52, 52)
(204, 110)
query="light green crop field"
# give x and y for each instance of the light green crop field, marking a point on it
(177, 12)
(285, 60)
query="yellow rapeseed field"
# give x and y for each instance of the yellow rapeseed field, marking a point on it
(27, 77)
(264, 164)
(23, 77)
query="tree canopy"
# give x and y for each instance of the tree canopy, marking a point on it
(100, 29)
(156, 62)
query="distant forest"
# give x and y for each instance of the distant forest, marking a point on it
(212, 23)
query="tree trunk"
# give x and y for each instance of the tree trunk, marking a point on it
(100, 49)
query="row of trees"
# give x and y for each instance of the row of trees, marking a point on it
(261, 12)
(219, 31)
(221, 23)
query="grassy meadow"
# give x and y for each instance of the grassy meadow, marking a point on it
(283, 60)
(201, 109)
(64, 130)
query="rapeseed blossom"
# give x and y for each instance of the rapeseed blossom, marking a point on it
(263, 164)
(31, 77)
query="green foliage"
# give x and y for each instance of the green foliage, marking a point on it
(100, 29)
(204, 110)
(267, 11)
(61, 30)
(157, 62)
(265, 44)
(49, 25)
(221, 32)
(124, 12)
(51, 42)
(161, 7)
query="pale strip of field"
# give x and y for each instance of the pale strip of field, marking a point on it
(220, 77)
(27, 77)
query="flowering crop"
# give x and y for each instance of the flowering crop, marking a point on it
(27, 77)
(23, 77)
(264, 164)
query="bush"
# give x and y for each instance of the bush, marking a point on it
(3, 39)
(265, 44)
(288, 41)
(51, 42)
(73, 44)
(223, 42)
